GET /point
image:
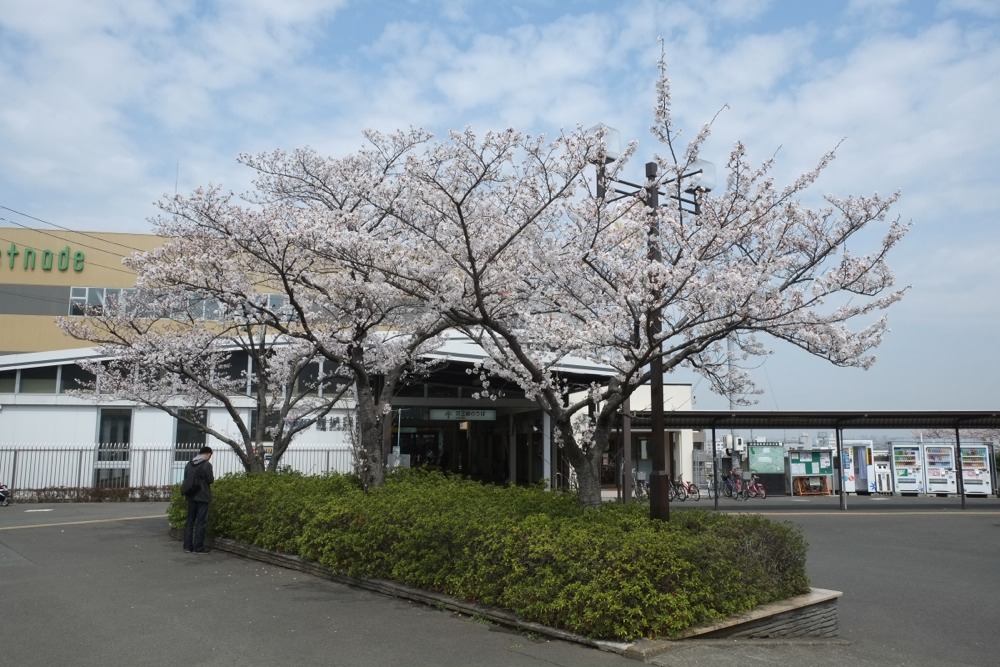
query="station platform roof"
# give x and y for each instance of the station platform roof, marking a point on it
(861, 419)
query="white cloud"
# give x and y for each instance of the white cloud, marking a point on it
(106, 104)
(984, 8)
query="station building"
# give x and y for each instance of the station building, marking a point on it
(45, 275)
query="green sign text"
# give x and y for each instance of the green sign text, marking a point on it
(46, 260)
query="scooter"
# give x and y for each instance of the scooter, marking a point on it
(5, 495)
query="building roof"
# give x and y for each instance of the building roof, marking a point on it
(860, 419)
(457, 349)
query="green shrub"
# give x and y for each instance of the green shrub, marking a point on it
(608, 573)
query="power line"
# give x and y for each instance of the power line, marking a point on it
(65, 229)
(66, 240)
(31, 297)
(92, 263)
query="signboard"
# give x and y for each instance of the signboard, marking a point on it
(767, 459)
(30, 259)
(462, 415)
(810, 462)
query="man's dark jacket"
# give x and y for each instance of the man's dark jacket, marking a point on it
(200, 469)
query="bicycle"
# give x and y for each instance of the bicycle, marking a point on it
(639, 485)
(676, 491)
(737, 489)
(690, 489)
(728, 485)
(755, 487)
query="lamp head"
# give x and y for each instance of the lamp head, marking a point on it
(611, 143)
(701, 178)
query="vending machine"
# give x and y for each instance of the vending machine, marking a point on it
(846, 471)
(883, 471)
(941, 472)
(908, 469)
(976, 479)
(858, 467)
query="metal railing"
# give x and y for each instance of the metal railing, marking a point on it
(29, 470)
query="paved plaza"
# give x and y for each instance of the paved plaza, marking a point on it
(100, 584)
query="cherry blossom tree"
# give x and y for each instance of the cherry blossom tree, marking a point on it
(269, 262)
(182, 351)
(287, 237)
(511, 239)
(991, 435)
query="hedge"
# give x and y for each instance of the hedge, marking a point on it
(607, 573)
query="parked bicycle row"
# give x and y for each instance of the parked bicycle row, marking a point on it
(735, 486)
(732, 485)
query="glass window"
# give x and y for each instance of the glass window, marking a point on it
(307, 381)
(39, 380)
(116, 426)
(73, 377)
(336, 378)
(77, 300)
(270, 424)
(8, 382)
(143, 304)
(203, 307)
(95, 300)
(111, 478)
(441, 391)
(275, 302)
(236, 368)
(189, 438)
(212, 308)
(257, 364)
(113, 299)
(411, 390)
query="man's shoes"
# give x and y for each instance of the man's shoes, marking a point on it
(188, 551)
(203, 550)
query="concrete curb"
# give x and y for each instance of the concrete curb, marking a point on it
(802, 614)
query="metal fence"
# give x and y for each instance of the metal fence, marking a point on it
(31, 470)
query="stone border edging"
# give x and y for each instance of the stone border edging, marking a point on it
(811, 615)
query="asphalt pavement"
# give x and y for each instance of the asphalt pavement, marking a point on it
(105, 584)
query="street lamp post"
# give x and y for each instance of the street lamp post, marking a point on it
(659, 487)
(659, 482)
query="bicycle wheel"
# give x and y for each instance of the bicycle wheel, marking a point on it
(694, 492)
(681, 492)
(761, 491)
(727, 489)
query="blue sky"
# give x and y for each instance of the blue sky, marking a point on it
(106, 105)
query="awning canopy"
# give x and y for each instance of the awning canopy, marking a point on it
(831, 420)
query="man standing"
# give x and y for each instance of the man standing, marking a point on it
(198, 478)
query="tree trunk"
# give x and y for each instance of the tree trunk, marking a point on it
(587, 465)
(371, 468)
(588, 476)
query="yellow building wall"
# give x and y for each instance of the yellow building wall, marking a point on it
(34, 333)
(61, 259)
